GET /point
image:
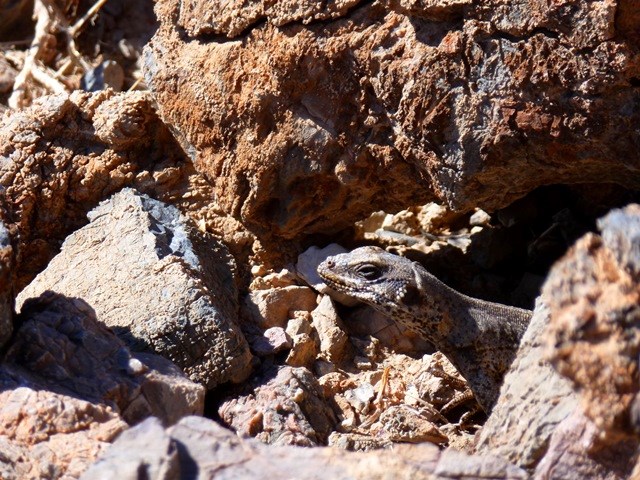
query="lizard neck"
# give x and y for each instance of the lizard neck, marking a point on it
(480, 338)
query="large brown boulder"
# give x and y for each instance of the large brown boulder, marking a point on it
(65, 153)
(307, 116)
(160, 283)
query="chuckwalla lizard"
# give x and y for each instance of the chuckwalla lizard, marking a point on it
(480, 338)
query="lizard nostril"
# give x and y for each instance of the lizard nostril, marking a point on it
(329, 264)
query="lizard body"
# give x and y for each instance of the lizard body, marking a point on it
(480, 338)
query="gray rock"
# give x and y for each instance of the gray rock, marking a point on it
(307, 268)
(7, 264)
(161, 285)
(566, 407)
(206, 450)
(69, 386)
(283, 406)
(128, 458)
(60, 346)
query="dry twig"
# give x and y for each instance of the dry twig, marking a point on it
(44, 22)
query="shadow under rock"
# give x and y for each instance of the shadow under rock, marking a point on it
(58, 345)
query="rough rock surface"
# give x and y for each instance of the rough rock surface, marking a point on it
(286, 409)
(176, 296)
(567, 406)
(594, 341)
(308, 116)
(63, 155)
(7, 280)
(69, 386)
(200, 448)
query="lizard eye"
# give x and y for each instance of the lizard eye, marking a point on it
(369, 272)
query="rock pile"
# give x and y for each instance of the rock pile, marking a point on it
(158, 249)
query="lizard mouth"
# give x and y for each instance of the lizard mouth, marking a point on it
(330, 280)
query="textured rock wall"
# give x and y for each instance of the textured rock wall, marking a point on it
(568, 407)
(307, 117)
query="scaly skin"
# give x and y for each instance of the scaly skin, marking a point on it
(480, 338)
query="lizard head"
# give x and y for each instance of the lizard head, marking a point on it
(370, 274)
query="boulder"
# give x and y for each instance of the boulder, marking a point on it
(200, 448)
(162, 285)
(567, 408)
(308, 116)
(69, 386)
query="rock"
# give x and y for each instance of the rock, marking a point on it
(331, 331)
(567, 404)
(533, 401)
(61, 346)
(571, 454)
(303, 351)
(206, 450)
(307, 268)
(282, 278)
(480, 218)
(437, 381)
(308, 261)
(109, 74)
(170, 394)
(273, 307)
(365, 320)
(360, 398)
(282, 407)
(50, 435)
(391, 104)
(594, 341)
(158, 459)
(306, 344)
(7, 280)
(63, 155)
(176, 296)
(272, 341)
(69, 387)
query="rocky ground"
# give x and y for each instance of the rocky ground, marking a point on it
(171, 179)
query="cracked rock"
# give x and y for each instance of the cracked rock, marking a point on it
(176, 297)
(321, 113)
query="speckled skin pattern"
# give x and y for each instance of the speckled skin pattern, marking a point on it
(479, 337)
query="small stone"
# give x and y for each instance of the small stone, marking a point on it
(303, 352)
(331, 383)
(283, 278)
(307, 266)
(362, 363)
(479, 218)
(273, 307)
(109, 74)
(360, 398)
(299, 324)
(272, 341)
(331, 331)
(258, 270)
(291, 406)
(136, 367)
(322, 367)
(402, 423)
